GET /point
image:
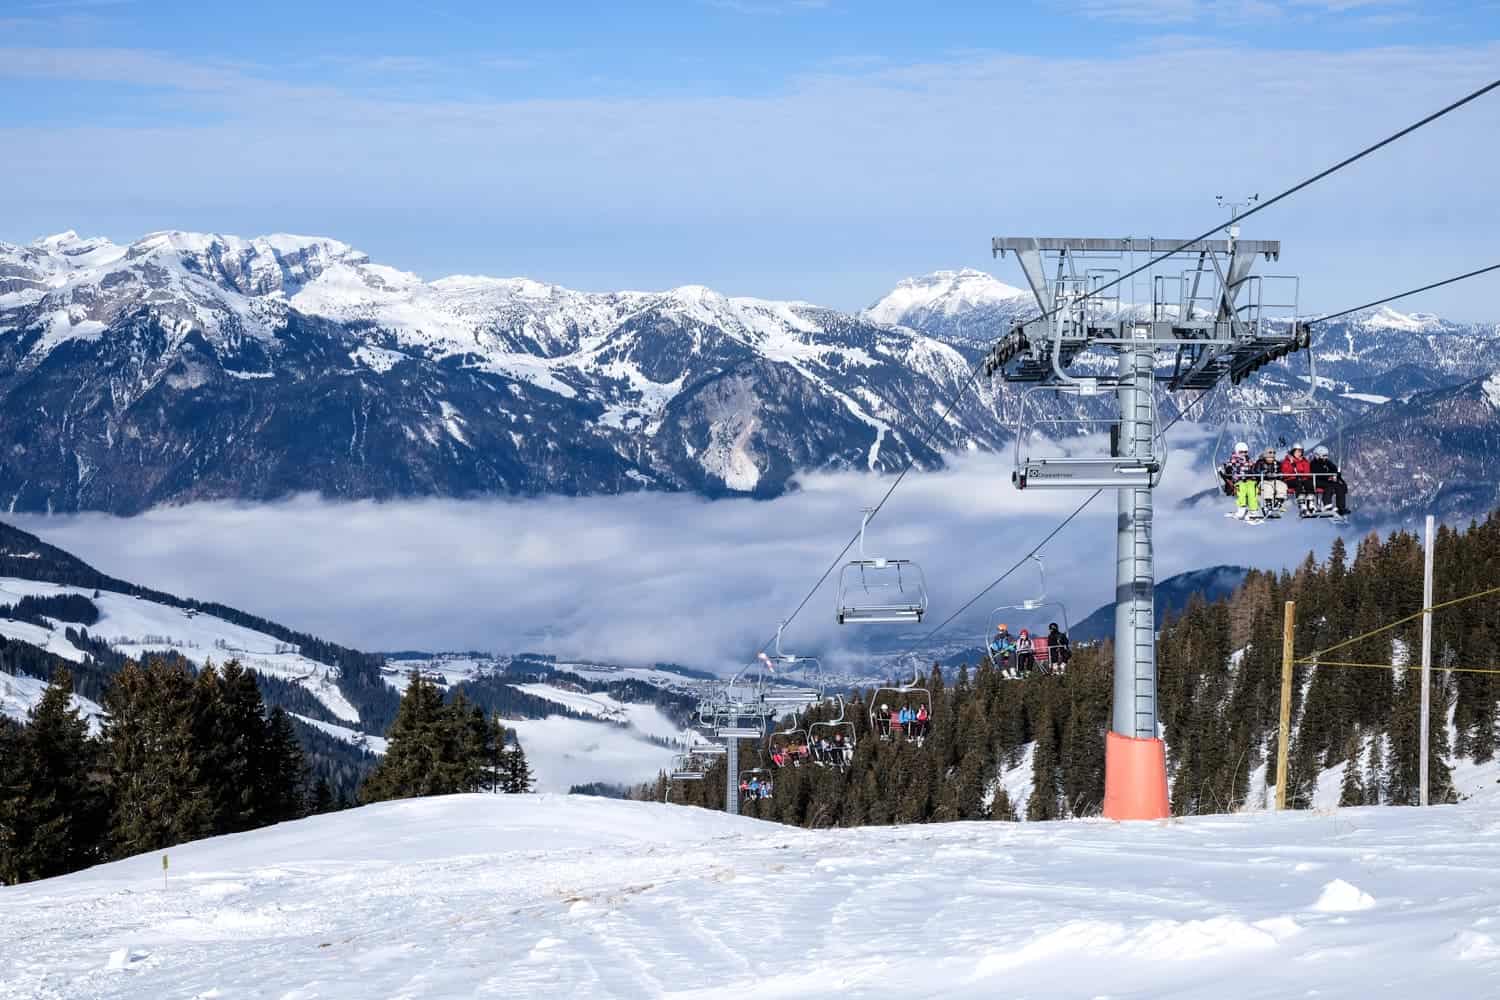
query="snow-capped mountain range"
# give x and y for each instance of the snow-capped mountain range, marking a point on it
(190, 366)
(197, 366)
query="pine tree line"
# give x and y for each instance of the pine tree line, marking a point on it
(180, 756)
(1219, 684)
(439, 747)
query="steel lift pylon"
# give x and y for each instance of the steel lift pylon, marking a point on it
(1194, 319)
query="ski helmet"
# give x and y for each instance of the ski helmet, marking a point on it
(1321, 451)
(1241, 447)
(1296, 447)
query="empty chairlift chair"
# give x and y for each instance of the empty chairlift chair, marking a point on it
(879, 590)
(1036, 470)
(686, 767)
(793, 682)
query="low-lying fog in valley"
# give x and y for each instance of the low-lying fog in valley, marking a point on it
(649, 577)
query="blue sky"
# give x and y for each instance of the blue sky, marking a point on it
(784, 148)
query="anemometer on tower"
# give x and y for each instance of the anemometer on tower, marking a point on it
(1192, 316)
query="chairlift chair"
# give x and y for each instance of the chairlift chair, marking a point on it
(761, 775)
(1030, 604)
(841, 754)
(785, 743)
(1110, 471)
(896, 697)
(1243, 417)
(803, 676)
(880, 590)
(686, 767)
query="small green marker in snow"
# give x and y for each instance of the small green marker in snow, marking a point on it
(163, 871)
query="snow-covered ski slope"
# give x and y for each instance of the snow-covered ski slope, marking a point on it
(554, 896)
(135, 626)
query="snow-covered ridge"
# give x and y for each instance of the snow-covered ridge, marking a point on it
(135, 626)
(629, 351)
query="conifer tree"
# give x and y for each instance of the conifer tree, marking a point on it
(1001, 808)
(413, 764)
(160, 796)
(232, 751)
(1045, 783)
(1352, 791)
(53, 817)
(285, 772)
(518, 778)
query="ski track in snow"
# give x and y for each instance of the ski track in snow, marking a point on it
(558, 896)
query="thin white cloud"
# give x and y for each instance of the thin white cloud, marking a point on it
(894, 167)
(1170, 13)
(768, 7)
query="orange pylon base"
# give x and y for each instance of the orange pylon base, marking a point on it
(1135, 778)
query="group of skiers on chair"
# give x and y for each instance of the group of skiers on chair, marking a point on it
(1261, 486)
(1019, 655)
(905, 721)
(756, 788)
(837, 751)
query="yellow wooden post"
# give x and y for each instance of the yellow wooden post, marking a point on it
(1288, 629)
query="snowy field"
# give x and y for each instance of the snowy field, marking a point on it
(554, 896)
(20, 694)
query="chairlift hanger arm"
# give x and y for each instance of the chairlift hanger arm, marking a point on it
(1152, 245)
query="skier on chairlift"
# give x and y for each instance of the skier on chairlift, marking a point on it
(1059, 650)
(1237, 474)
(1002, 648)
(1272, 488)
(1297, 472)
(883, 722)
(1329, 481)
(1025, 653)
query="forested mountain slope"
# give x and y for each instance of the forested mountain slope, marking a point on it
(1034, 749)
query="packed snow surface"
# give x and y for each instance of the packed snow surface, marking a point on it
(555, 896)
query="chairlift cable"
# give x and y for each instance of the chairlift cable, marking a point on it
(1402, 295)
(1301, 185)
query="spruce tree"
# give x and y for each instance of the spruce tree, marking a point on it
(518, 778)
(232, 749)
(160, 796)
(413, 764)
(56, 824)
(1352, 791)
(285, 771)
(1045, 783)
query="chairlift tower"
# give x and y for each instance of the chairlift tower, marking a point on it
(1197, 317)
(734, 710)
